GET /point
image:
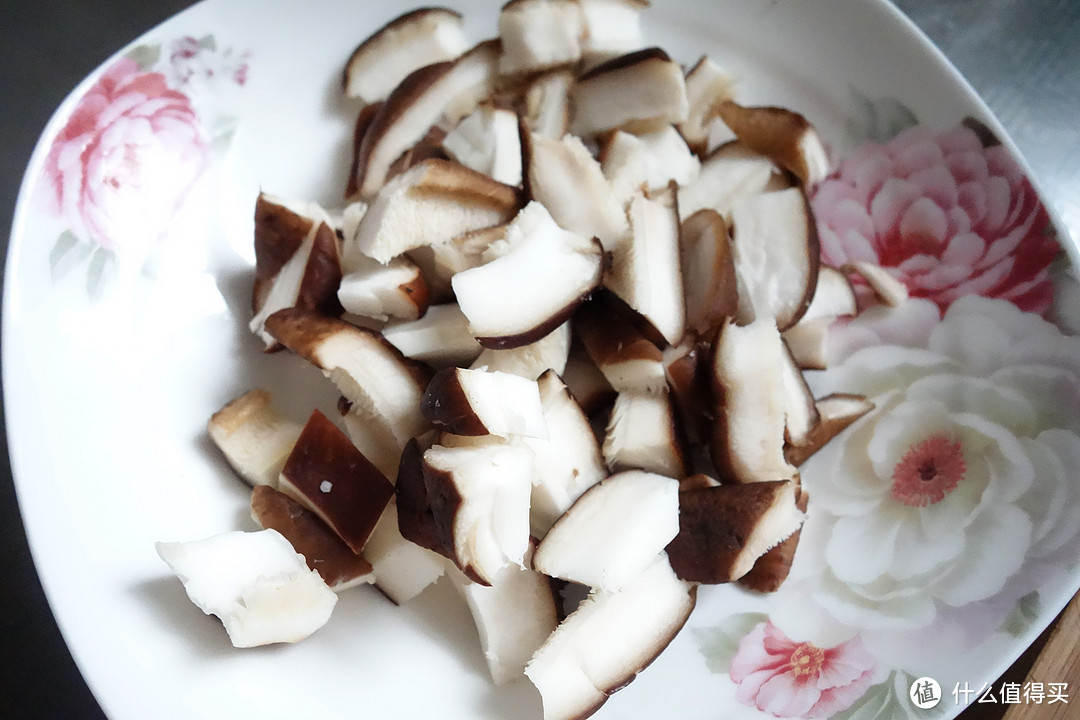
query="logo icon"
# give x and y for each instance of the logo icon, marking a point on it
(925, 693)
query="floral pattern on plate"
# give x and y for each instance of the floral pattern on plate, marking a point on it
(119, 171)
(935, 519)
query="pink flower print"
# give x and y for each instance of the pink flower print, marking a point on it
(785, 678)
(194, 59)
(947, 214)
(119, 169)
(928, 471)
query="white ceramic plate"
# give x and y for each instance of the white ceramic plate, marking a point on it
(943, 529)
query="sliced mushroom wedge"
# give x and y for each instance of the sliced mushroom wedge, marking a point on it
(640, 92)
(538, 35)
(441, 338)
(514, 616)
(372, 435)
(836, 412)
(431, 203)
(707, 87)
(530, 361)
(546, 105)
(568, 462)
(487, 141)
(629, 361)
(686, 370)
(586, 383)
(611, 637)
(297, 262)
(370, 372)
(775, 244)
(402, 568)
(771, 569)
(553, 268)
(612, 532)
(642, 434)
(747, 443)
(784, 135)
(448, 90)
(646, 270)
(406, 43)
(478, 497)
(612, 28)
(650, 162)
(801, 416)
(723, 530)
(325, 552)
(255, 582)
(887, 289)
(710, 283)
(329, 476)
(478, 402)
(730, 172)
(374, 290)
(807, 339)
(255, 438)
(564, 177)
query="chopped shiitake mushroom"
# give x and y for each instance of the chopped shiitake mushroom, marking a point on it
(707, 87)
(446, 90)
(730, 172)
(834, 297)
(835, 413)
(771, 569)
(564, 177)
(325, 552)
(608, 640)
(640, 92)
(552, 267)
(379, 291)
(646, 271)
(405, 44)
(254, 437)
(567, 462)
(487, 140)
(751, 404)
(567, 304)
(470, 504)
(514, 616)
(255, 582)
(642, 433)
(708, 271)
(887, 289)
(478, 402)
(538, 35)
(329, 476)
(431, 203)
(612, 28)
(440, 338)
(297, 262)
(724, 529)
(775, 244)
(783, 135)
(370, 372)
(532, 360)
(629, 361)
(612, 532)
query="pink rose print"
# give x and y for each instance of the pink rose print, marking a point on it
(121, 166)
(947, 214)
(790, 679)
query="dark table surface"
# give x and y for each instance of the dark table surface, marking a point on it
(1022, 57)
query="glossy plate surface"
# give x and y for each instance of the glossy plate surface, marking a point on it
(943, 528)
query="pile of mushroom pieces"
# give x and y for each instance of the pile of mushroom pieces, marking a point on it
(567, 304)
